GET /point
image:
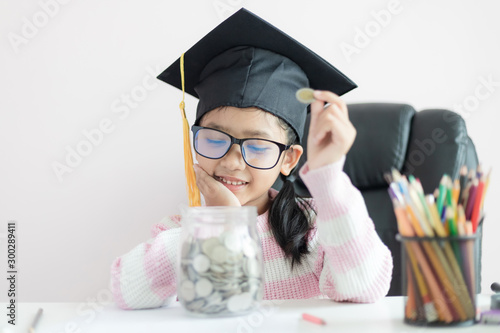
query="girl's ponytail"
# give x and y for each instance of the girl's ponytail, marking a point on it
(289, 224)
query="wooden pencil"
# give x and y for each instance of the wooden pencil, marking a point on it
(419, 303)
(438, 226)
(468, 184)
(442, 194)
(476, 209)
(456, 191)
(463, 182)
(470, 200)
(479, 171)
(411, 305)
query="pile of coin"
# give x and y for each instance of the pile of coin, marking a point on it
(220, 275)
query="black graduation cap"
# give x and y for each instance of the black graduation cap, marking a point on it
(245, 61)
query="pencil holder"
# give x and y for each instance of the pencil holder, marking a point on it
(220, 261)
(439, 280)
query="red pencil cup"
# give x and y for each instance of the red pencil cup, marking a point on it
(440, 279)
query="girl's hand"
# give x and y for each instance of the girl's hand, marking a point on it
(214, 192)
(331, 134)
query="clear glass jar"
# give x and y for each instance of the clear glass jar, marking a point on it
(220, 261)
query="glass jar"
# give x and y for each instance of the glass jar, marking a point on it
(220, 261)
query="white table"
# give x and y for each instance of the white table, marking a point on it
(385, 316)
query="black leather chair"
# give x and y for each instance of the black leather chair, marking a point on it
(426, 144)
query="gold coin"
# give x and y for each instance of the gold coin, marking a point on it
(305, 95)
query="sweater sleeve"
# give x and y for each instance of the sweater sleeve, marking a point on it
(357, 266)
(145, 277)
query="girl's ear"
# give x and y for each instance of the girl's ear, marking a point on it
(292, 157)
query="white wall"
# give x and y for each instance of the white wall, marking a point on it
(71, 74)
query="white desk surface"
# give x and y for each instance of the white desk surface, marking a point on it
(385, 316)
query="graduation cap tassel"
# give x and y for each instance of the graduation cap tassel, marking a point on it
(192, 189)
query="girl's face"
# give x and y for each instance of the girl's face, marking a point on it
(247, 123)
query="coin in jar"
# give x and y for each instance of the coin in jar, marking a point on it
(219, 254)
(201, 263)
(203, 288)
(209, 244)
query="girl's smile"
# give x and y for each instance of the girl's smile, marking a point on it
(232, 183)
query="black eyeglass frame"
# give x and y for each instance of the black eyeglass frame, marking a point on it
(282, 147)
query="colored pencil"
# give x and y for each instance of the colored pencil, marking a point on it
(456, 191)
(477, 204)
(411, 301)
(449, 192)
(470, 200)
(470, 180)
(438, 226)
(463, 182)
(313, 319)
(450, 218)
(479, 171)
(420, 206)
(421, 197)
(442, 194)
(444, 221)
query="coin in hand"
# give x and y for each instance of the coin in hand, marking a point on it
(305, 95)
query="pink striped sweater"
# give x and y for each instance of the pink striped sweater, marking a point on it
(347, 259)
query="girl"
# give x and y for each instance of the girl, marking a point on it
(321, 247)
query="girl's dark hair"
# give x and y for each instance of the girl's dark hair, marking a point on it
(290, 225)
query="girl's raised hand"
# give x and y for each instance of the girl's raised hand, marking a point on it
(214, 192)
(331, 134)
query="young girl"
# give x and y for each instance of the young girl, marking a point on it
(325, 246)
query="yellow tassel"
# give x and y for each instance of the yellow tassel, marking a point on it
(191, 188)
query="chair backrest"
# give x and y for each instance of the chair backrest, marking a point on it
(426, 144)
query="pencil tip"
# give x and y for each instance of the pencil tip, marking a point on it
(388, 177)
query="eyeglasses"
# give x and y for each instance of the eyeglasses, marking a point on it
(257, 153)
